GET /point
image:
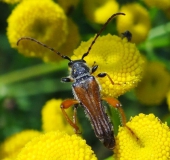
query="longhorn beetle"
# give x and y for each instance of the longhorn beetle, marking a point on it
(86, 92)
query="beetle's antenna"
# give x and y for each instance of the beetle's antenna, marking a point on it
(44, 45)
(98, 34)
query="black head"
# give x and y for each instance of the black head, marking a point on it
(78, 68)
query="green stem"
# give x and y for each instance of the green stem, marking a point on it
(30, 72)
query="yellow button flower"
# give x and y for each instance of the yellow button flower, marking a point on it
(99, 11)
(155, 84)
(137, 21)
(149, 139)
(12, 145)
(56, 146)
(53, 119)
(42, 20)
(117, 57)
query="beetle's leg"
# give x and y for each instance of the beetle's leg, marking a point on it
(116, 104)
(66, 79)
(94, 68)
(75, 117)
(66, 104)
(105, 74)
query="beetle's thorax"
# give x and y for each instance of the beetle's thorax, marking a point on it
(79, 69)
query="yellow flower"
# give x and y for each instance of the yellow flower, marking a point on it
(56, 146)
(149, 139)
(137, 21)
(68, 5)
(163, 4)
(99, 11)
(12, 145)
(42, 20)
(53, 118)
(154, 85)
(117, 57)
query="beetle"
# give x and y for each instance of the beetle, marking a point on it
(86, 92)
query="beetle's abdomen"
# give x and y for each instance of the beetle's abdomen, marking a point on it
(87, 92)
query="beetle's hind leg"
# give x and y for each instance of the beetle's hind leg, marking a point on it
(116, 104)
(65, 105)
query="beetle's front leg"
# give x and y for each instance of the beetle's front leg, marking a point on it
(66, 104)
(101, 75)
(66, 79)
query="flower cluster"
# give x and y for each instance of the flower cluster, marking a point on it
(53, 23)
(143, 137)
(50, 26)
(13, 145)
(56, 145)
(53, 144)
(118, 58)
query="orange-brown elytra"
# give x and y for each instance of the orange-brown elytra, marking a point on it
(86, 92)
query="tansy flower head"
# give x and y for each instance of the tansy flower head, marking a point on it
(42, 20)
(12, 145)
(99, 11)
(118, 58)
(56, 145)
(154, 85)
(136, 21)
(147, 139)
(53, 119)
(163, 4)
